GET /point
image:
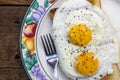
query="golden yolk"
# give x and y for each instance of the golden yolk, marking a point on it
(80, 35)
(86, 64)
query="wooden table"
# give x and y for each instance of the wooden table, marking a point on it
(11, 15)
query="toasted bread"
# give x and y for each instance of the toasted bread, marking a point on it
(52, 12)
(116, 73)
(94, 2)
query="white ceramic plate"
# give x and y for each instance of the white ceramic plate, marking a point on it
(32, 52)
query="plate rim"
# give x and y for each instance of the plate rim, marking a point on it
(20, 40)
(36, 37)
(27, 14)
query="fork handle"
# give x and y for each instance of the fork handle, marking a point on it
(54, 64)
(56, 71)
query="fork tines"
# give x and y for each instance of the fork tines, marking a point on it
(48, 44)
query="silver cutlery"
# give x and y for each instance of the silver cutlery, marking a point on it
(50, 51)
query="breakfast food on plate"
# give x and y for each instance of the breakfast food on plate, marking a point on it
(94, 2)
(86, 45)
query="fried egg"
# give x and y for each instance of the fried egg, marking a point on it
(86, 45)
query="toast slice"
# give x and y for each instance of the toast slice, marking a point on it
(94, 2)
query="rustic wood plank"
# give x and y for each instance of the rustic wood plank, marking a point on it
(9, 30)
(15, 2)
(13, 74)
(12, 64)
(11, 18)
(10, 48)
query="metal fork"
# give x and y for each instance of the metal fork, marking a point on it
(50, 51)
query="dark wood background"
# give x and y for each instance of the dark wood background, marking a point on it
(11, 15)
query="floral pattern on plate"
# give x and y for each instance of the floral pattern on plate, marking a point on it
(27, 39)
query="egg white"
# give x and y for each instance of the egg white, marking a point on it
(104, 44)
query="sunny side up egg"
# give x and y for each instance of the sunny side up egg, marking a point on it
(86, 45)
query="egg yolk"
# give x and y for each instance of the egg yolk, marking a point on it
(86, 63)
(80, 35)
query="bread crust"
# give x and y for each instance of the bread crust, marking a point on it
(94, 2)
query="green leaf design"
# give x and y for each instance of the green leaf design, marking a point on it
(46, 3)
(34, 59)
(27, 53)
(22, 46)
(30, 62)
(35, 5)
(27, 60)
(28, 20)
(29, 67)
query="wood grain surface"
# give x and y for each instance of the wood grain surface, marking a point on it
(15, 2)
(11, 15)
